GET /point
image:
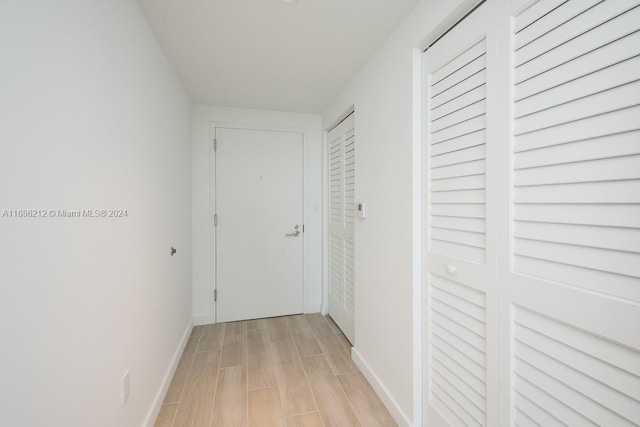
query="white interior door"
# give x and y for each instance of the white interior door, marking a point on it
(572, 222)
(460, 275)
(259, 231)
(341, 146)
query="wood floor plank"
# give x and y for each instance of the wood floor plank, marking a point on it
(338, 355)
(307, 344)
(321, 327)
(364, 401)
(234, 345)
(257, 324)
(314, 317)
(182, 371)
(211, 337)
(303, 336)
(334, 408)
(295, 392)
(298, 324)
(196, 402)
(278, 329)
(197, 330)
(261, 367)
(311, 419)
(166, 415)
(265, 409)
(230, 406)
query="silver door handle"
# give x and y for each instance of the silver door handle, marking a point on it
(294, 234)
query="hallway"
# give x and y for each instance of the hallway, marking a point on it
(293, 371)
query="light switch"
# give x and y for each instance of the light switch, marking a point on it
(362, 210)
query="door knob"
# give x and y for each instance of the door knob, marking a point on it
(294, 234)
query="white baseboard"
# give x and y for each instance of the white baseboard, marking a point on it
(313, 308)
(157, 402)
(324, 310)
(389, 402)
(201, 319)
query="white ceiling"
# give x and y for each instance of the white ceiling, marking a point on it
(269, 54)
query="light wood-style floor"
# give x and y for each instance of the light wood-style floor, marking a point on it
(283, 371)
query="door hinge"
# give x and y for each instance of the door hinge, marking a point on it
(215, 295)
(215, 144)
(303, 228)
(215, 220)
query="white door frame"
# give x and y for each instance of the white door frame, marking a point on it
(212, 202)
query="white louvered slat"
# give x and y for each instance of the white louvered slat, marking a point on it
(461, 74)
(458, 62)
(560, 360)
(615, 169)
(454, 223)
(583, 193)
(474, 182)
(458, 236)
(458, 349)
(465, 141)
(468, 112)
(476, 152)
(461, 128)
(462, 196)
(620, 73)
(564, 12)
(626, 263)
(456, 104)
(459, 210)
(620, 97)
(607, 283)
(465, 86)
(581, 34)
(530, 399)
(618, 145)
(585, 214)
(606, 374)
(467, 168)
(598, 126)
(545, 77)
(534, 12)
(613, 238)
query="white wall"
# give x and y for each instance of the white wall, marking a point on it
(386, 255)
(202, 117)
(91, 116)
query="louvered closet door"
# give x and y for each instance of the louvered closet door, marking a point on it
(341, 145)
(459, 263)
(573, 285)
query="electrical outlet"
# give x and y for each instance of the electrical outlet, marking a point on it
(125, 388)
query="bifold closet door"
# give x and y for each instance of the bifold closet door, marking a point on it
(532, 190)
(341, 146)
(459, 265)
(572, 288)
